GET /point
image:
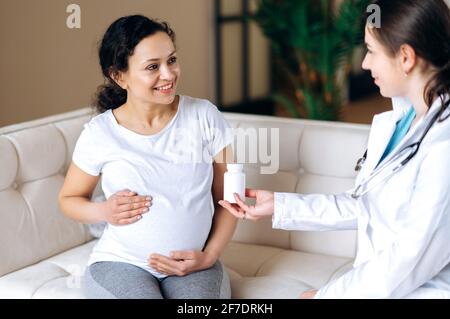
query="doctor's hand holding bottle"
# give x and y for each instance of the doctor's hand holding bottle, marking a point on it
(263, 206)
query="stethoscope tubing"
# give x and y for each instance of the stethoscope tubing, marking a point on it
(357, 193)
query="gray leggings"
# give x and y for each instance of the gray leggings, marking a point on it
(117, 280)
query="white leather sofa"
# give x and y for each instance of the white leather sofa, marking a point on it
(43, 254)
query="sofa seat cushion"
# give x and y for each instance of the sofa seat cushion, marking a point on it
(266, 272)
(255, 271)
(267, 287)
(56, 277)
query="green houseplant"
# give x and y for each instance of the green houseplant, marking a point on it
(313, 42)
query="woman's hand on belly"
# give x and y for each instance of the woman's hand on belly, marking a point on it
(181, 263)
(125, 207)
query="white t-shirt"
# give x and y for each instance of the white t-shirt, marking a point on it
(173, 166)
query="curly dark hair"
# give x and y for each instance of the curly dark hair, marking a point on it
(117, 45)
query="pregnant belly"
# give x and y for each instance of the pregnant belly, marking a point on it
(161, 234)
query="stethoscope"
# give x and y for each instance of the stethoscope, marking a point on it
(403, 156)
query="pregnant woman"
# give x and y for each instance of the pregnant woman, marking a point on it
(161, 157)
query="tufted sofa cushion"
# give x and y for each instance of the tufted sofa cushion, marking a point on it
(44, 254)
(33, 161)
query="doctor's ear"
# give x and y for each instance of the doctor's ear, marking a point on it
(408, 58)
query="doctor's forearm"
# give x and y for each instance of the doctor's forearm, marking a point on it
(221, 233)
(314, 212)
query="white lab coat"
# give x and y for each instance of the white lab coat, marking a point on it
(403, 225)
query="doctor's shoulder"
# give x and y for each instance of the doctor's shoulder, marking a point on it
(440, 131)
(436, 148)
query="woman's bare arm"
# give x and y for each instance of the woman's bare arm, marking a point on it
(224, 223)
(123, 207)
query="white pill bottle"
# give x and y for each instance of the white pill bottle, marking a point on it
(234, 182)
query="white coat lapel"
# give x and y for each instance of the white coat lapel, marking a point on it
(383, 127)
(415, 134)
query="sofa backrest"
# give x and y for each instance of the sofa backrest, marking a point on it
(34, 157)
(315, 157)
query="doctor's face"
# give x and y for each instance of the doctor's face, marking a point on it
(153, 70)
(385, 69)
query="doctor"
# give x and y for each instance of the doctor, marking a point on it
(401, 201)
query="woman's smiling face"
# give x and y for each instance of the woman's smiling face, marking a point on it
(153, 71)
(385, 69)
